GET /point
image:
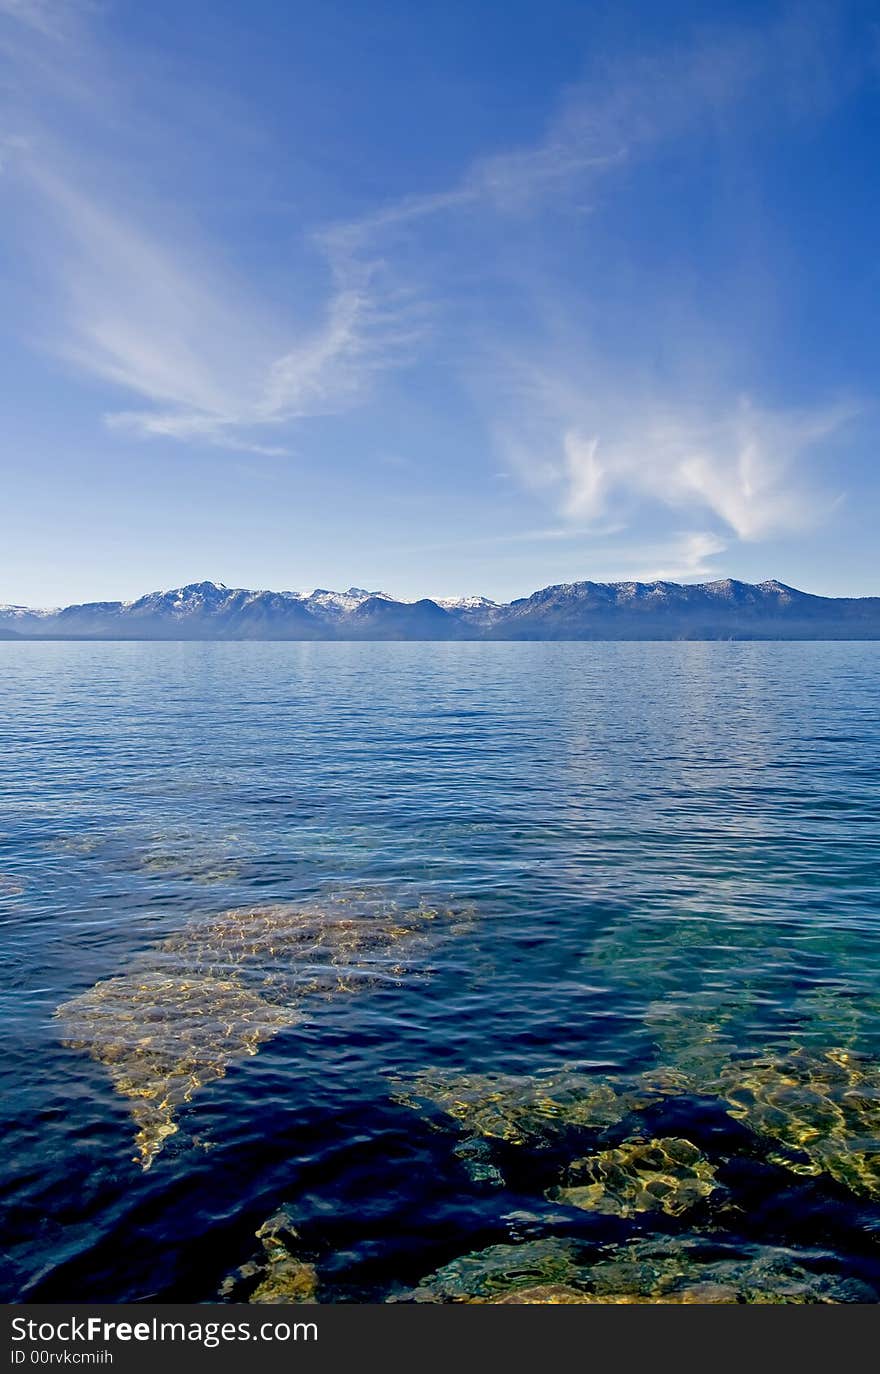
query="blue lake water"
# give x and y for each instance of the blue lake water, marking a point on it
(522, 911)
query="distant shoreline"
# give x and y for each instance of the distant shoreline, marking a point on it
(823, 638)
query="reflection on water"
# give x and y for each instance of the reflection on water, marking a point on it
(441, 973)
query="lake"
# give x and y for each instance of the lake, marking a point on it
(437, 972)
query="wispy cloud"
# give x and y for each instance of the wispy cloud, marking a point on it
(142, 303)
(584, 428)
(681, 556)
(203, 357)
(142, 313)
(684, 559)
(745, 466)
(213, 364)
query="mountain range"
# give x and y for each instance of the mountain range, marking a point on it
(573, 610)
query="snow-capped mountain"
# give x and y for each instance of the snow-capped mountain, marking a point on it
(25, 612)
(335, 605)
(465, 603)
(724, 609)
(22, 618)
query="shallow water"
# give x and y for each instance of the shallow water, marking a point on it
(542, 876)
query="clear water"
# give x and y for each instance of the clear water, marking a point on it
(646, 859)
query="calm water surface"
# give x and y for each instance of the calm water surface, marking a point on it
(651, 867)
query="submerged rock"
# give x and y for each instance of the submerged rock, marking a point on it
(694, 1037)
(498, 1271)
(665, 1270)
(476, 1156)
(222, 985)
(193, 867)
(846, 1015)
(671, 955)
(281, 1275)
(825, 1108)
(707, 1293)
(523, 1109)
(86, 843)
(296, 950)
(163, 1036)
(543, 1294)
(689, 1269)
(667, 1175)
(190, 855)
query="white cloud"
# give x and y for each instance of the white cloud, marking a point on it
(746, 466)
(213, 363)
(141, 300)
(584, 476)
(208, 359)
(685, 558)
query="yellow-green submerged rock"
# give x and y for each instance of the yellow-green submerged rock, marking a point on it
(282, 1275)
(162, 1037)
(665, 1175)
(224, 984)
(823, 1107)
(661, 1270)
(522, 1109)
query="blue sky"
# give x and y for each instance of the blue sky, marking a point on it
(440, 298)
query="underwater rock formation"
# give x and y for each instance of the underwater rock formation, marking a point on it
(523, 1109)
(183, 853)
(162, 1036)
(669, 1269)
(824, 1108)
(189, 866)
(694, 1037)
(543, 1295)
(498, 1271)
(706, 1293)
(85, 843)
(224, 984)
(281, 1275)
(294, 950)
(668, 1175)
(677, 1268)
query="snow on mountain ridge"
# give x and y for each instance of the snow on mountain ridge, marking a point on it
(464, 603)
(19, 612)
(721, 609)
(322, 601)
